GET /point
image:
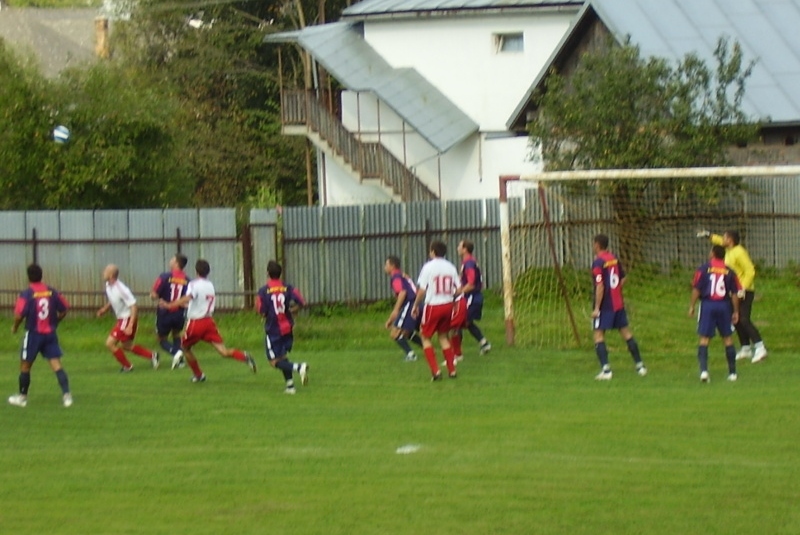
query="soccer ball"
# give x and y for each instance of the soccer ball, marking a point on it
(61, 134)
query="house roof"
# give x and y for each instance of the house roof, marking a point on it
(412, 8)
(58, 38)
(670, 29)
(344, 53)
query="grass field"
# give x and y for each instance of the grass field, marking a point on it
(522, 442)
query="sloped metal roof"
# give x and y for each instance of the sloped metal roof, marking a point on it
(375, 8)
(345, 54)
(670, 29)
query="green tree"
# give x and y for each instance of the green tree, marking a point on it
(618, 110)
(213, 59)
(121, 153)
(25, 126)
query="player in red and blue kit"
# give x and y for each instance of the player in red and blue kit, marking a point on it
(275, 302)
(468, 307)
(609, 307)
(402, 326)
(716, 286)
(41, 308)
(171, 286)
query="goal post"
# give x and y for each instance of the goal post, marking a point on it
(548, 219)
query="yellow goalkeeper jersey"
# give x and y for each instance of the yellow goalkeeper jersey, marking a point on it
(737, 258)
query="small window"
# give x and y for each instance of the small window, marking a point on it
(509, 42)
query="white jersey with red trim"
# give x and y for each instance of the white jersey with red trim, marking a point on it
(203, 299)
(121, 299)
(440, 280)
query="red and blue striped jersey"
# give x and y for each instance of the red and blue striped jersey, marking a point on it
(274, 303)
(607, 270)
(471, 274)
(40, 305)
(715, 281)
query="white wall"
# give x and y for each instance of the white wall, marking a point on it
(458, 56)
(469, 170)
(341, 189)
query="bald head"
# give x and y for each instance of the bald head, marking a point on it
(110, 273)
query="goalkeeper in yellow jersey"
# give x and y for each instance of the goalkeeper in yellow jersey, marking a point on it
(736, 257)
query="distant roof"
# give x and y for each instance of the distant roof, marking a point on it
(394, 8)
(670, 29)
(344, 53)
(59, 38)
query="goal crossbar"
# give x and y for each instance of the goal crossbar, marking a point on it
(664, 172)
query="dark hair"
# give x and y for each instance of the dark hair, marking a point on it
(734, 236)
(393, 260)
(439, 248)
(202, 267)
(468, 245)
(181, 259)
(602, 241)
(718, 251)
(34, 273)
(274, 269)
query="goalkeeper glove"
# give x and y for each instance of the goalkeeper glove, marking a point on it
(740, 294)
(703, 234)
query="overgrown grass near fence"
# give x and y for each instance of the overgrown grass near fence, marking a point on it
(523, 441)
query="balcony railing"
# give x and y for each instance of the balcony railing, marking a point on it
(368, 160)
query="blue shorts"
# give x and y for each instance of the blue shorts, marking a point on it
(404, 320)
(610, 319)
(34, 343)
(278, 346)
(474, 307)
(167, 322)
(715, 316)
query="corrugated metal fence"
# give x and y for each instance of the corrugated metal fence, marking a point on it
(336, 254)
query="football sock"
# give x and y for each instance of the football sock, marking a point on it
(430, 356)
(702, 357)
(238, 355)
(63, 381)
(287, 368)
(176, 345)
(166, 345)
(195, 366)
(403, 343)
(602, 353)
(24, 382)
(120, 356)
(456, 342)
(416, 339)
(449, 358)
(759, 345)
(142, 352)
(730, 356)
(633, 347)
(476, 332)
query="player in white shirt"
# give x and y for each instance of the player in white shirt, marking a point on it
(199, 301)
(436, 286)
(122, 300)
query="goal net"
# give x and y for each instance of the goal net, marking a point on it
(652, 217)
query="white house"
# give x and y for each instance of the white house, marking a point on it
(437, 93)
(434, 83)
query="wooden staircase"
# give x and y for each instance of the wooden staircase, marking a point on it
(367, 161)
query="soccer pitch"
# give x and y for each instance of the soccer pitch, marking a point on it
(524, 441)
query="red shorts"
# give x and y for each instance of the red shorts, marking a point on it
(459, 316)
(201, 329)
(436, 319)
(118, 332)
